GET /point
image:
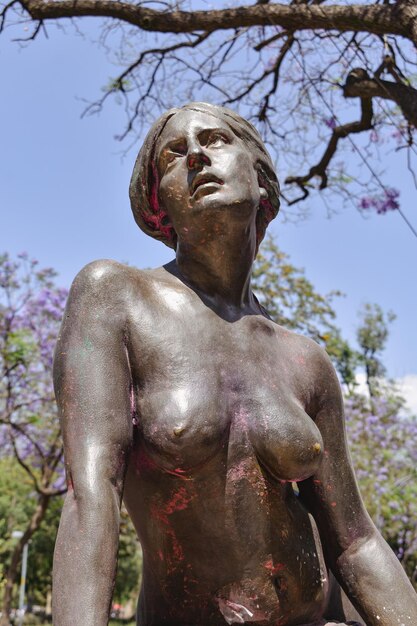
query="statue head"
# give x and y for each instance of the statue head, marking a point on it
(153, 218)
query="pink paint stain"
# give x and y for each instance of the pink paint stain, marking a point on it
(273, 568)
(239, 471)
(240, 419)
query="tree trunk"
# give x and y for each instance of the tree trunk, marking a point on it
(13, 571)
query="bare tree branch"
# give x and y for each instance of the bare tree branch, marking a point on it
(24, 465)
(360, 85)
(263, 113)
(376, 30)
(118, 84)
(396, 19)
(35, 33)
(4, 11)
(340, 132)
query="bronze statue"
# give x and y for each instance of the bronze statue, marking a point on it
(179, 394)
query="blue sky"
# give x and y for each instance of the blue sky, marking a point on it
(64, 183)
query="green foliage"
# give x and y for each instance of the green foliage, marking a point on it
(15, 507)
(17, 503)
(382, 442)
(372, 336)
(345, 358)
(292, 301)
(129, 567)
(19, 348)
(41, 550)
(288, 296)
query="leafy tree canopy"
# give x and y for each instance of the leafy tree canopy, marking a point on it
(31, 308)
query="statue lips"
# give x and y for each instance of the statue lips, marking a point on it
(202, 179)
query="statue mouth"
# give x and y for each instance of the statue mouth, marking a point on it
(204, 179)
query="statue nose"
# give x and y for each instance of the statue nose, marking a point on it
(196, 159)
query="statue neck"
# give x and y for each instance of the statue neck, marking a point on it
(218, 267)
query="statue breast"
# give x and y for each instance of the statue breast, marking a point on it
(206, 387)
(184, 425)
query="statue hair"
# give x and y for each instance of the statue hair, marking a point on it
(153, 219)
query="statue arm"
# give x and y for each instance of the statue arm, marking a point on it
(92, 383)
(360, 559)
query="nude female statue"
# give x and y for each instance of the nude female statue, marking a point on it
(179, 394)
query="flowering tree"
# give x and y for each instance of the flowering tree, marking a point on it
(31, 308)
(383, 445)
(312, 74)
(382, 435)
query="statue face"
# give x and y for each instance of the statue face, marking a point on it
(203, 168)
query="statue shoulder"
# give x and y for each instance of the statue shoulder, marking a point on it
(308, 351)
(105, 285)
(318, 381)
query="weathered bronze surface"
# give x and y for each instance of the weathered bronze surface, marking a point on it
(178, 393)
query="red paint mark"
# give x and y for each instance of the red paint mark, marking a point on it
(155, 218)
(317, 482)
(333, 503)
(144, 463)
(161, 556)
(273, 569)
(177, 549)
(178, 501)
(178, 472)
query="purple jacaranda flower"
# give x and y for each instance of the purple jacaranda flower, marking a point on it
(381, 203)
(330, 122)
(31, 307)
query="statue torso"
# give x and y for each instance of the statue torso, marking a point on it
(221, 431)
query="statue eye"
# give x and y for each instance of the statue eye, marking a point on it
(175, 152)
(217, 139)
